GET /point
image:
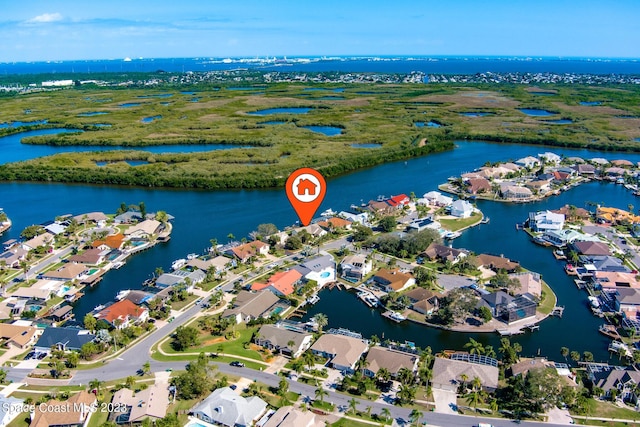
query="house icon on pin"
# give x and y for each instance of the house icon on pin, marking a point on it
(305, 186)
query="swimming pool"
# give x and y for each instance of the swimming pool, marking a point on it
(89, 273)
(277, 310)
(325, 274)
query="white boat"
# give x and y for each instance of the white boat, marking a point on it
(122, 294)
(98, 307)
(192, 256)
(178, 264)
(117, 265)
(369, 299)
(395, 316)
(328, 212)
(313, 299)
(452, 235)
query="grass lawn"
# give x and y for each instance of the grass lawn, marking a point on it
(98, 418)
(457, 224)
(549, 301)
(179, 305)
(609, 410)
(325, 406)
(207, 286)
(343, 422)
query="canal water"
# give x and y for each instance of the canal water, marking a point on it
(202, 215)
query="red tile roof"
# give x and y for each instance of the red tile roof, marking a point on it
(283, 282)
(114, 241)
(400, 199)
(123, 310)
(248, 249)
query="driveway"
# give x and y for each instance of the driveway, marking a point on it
(559, 416)
(445, 401)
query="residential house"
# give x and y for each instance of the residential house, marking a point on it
(17, 335)
(435, 198)
(615, 216)
(335, 223)
(360, 217)
(33, 293)
(514, 192)
(393, 280)
(289, 416)
(11, 409)
(615, 280)
(392, 360)
(321, 269)
(279, 238)
(128, 217)
(591, 248)
(55, 228)
(65, 339)
(530, 283)
(561, 177)
(539, 186)
(151, 403)
(623, 380)
(572, 213)
(599, 161)
(477, 185)
(144, 229)
(245, 252)
(497, 263)
(281, 284)
(113, 241)
(623, 163)
(550, 158)
(381, 207)
(313, 229)
(250, 305)
(448, 373)
(438, 252)
(462, 209)
(62, 313)
(605, 263)
(423, 301)
(400, 200)
(507, 308)
(615, 172)
(44, 239)
(526, 365)
(13, 256)
(355, 266)
(178, 277)
(219, 263)
(283, 340)
(423, 224)
(342, 351)
(529, 162)
(93, 256)
(98, 218)
(123, 313)
(225, 407)
(585, 169)
(79, 408)
(561, 238)
(545, 220)
(68, 272)
(627, 302)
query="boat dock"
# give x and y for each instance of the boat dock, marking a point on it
(610, 331)
(368, 298)
(392, 315)
(557, 311)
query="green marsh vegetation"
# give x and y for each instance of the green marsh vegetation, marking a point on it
(367, 114)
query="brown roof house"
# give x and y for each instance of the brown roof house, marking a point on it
(70, 271)
(342, 351)
(289, 416)
(393, 280)
(497, 263)
(78, 410)
(437, 252)
(143, 229)
(591, 248)
(93, 256)
(447, 374)
(391, 360)
(123, 313)
(18, 336)
(283, 340)
(249, 305)
(151, 403)
(478, 185)
(530, 283)
(252, 249)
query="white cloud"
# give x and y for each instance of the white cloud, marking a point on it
(45, 18)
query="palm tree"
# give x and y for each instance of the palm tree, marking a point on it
(473, 399)
(415, 416)
(386, 414)
(474, 346)
(353, 405)
(564, 351)
(383, 375)
(464, 378)
(309, 359)
(321, 320)
(321, 393)
(493, 404)
(476, 383)
(489, 351)
(146, 368)
(406, 376)
(96, 384)
(290, 345)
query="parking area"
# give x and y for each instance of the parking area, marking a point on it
(445, 401)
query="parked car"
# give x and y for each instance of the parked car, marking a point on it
(237, 364)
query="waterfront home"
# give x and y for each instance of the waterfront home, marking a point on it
(249, 250)
(435, 198)
(122, 314)
(392, 280)
(249, 305)
(179, 277)
(507, 308)
(514, 192)
(13, 256)
(283, 340)
(55, 228)
(627, 302)
(98, 218)
(461, 209)
(279, 238)
(497, 263)
(68, 272)
(560, 177)
(528, 162)
(355, 266)
(539, 186)
(39, 295)
(590, 248)
(129, 217)
(342, 352)
(78, 410)
(477, 185)
(572, 213)
(289, 416)
(335, 223)
(421, 224)
(219, 263)
(381, 207)
(561, 238)
(623, 163)
(530, 283)
(447, 374)
(605, 263)
(17, 335)
(613, 280)
(44, 239)
(615, 216)
(526, 365)
(144, 229)
(113, 241)
(400, 200)
(151, 403)
(61, 314)
(225, 407)
(313, 229)
(65, 339)
(139, 297)
(615, 172)
(282, 283)
(624, 380)
(360, 217)
(392, 360)
(11, 409)
(585, 169)
(321, 269)
(422, 301)
(545, 220)
(550, 158)
(93, 256)
(599, 161)
(9, 244)
(442, 253)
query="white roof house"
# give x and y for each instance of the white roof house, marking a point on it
(528, 162)
(546, 220)
(438, 199)
(550, 157)
(461, 209)
(225, 407)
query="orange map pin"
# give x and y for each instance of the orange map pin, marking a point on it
(305, 190)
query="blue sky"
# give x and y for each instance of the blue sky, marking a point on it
(65, 29)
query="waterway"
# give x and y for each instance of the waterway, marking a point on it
(202, 215)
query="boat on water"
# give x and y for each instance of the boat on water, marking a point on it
(452, 235)
(122, 294)
(328, 212)
(117, 265)
(394, 315)
(485, 220)
(312, 299)
(369, 299)
(178, 264)
(595, 303)
(192, 256)
(97, 308)
(620, 348)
